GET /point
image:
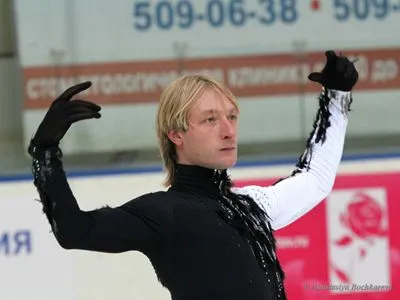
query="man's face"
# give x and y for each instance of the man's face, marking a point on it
(211, 138)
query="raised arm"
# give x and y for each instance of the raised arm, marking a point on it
(141, 224)
(314, 175)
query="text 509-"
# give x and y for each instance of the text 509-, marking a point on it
(365, 9)
(184, 14)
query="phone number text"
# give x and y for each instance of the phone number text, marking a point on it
(183, 14)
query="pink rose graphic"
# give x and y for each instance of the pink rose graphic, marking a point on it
(364, 217)
(365, 220)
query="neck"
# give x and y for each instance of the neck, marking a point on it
(197, 180)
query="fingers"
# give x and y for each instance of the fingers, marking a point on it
(73, 90)
(316, 77)
(83, 116)
(343, 65)
(354, 77)
(80, 110)
(347, 69)
(84, 103)
(330, 55)
(351, 74)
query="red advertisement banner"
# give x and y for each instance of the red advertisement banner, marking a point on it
(246, 75)
(348, 247)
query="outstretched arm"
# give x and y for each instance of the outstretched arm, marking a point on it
(314, 175)
(141, 224)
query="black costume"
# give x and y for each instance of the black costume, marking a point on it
(203, 236)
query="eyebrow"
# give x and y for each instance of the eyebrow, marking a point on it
(213, 111)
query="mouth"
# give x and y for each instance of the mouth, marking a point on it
(228, 149)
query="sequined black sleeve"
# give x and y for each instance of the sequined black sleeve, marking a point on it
(140, 224)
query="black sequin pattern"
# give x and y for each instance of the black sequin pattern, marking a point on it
(251, 221)
(42, 169)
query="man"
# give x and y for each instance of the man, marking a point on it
(205, 238)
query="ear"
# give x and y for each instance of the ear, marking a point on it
(176, 137)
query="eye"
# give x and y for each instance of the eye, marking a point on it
(211, 119)
(233, 117)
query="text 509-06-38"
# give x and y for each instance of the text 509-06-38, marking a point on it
(185, 14)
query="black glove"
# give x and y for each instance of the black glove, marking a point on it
(63, 112)
(339, 73)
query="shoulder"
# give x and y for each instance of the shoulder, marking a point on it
(262, 195)
(254, 191)
(154, 201)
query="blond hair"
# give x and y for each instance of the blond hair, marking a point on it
(175, 104)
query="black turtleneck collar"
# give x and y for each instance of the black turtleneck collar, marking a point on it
(196, 180)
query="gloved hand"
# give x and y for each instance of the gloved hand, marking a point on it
(63, 112)
(339, 73)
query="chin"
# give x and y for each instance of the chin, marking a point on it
(232, 164)
(226, 164)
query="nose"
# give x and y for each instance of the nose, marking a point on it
(228, 129)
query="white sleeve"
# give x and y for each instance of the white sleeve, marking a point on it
(314, 175)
